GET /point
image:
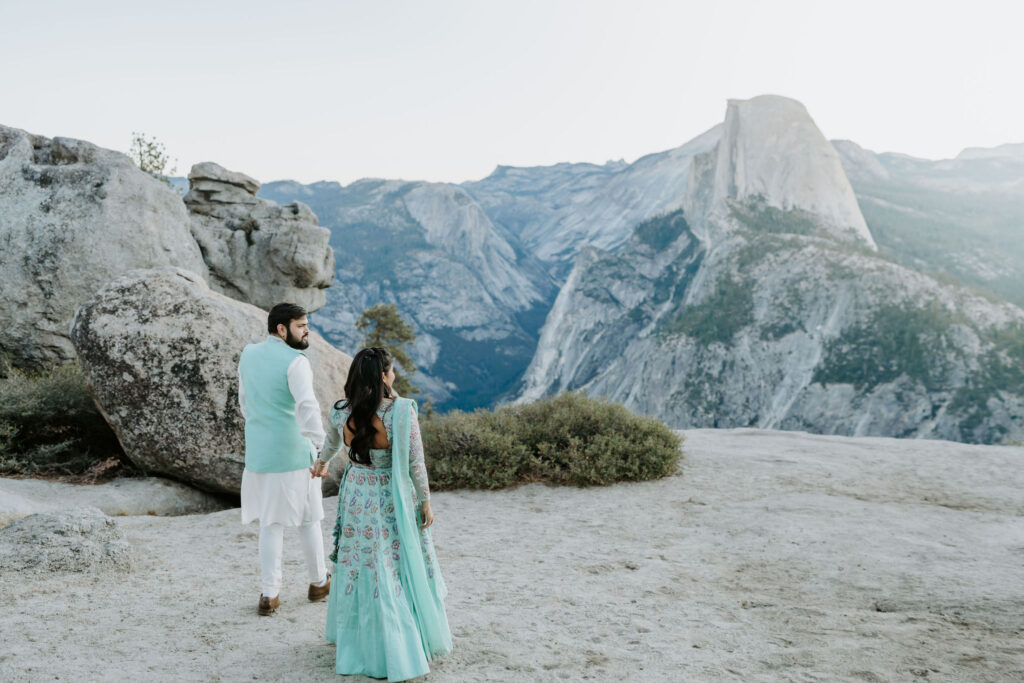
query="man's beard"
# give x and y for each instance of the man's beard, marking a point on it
(295, 343)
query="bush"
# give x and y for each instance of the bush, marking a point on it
(477, 450)
(49, 425)
(566, 439)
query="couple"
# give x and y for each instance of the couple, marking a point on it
(385, 606)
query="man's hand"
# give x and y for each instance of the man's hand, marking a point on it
(319, 468)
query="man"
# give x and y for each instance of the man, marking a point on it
(283, 434)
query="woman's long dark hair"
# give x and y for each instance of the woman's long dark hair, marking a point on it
(364, 391)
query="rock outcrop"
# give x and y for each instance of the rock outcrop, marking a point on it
(772, 156)
(77, 540)
(257, 251)
(159, 351)
(73, 216)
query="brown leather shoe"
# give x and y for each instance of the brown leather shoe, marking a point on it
(268, 605)
(319, 592)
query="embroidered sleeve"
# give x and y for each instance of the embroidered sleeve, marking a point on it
(335, 437)
(417, 467)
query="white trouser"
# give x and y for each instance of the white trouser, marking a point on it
(272, 547)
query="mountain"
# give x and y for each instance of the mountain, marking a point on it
(764, 301)
(555, 211)
(477, 267)
(756, 275)
(1011, 150)
(772, 154)
(963, 217)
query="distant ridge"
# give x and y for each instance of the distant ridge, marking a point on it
(1010, 150)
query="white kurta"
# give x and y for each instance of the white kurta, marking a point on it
(289, 498)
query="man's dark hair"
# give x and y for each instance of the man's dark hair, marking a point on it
(283, 314)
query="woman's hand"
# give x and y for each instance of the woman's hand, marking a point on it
(426, 514)
(319, 468)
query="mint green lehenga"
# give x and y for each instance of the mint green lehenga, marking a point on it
(386, 607)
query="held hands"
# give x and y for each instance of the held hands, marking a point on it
(319, 469)
(426, 514)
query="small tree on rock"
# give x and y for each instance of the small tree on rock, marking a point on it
(151, 156)
(383, 326)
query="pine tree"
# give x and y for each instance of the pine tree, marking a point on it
(383, 326)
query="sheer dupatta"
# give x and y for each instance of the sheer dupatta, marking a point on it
(423, 586)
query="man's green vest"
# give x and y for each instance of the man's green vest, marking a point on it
(273, 442)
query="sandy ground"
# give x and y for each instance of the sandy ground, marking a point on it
(770, 556)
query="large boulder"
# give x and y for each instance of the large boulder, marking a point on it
(159, 351)
(72, 217)
(77, 540)
(257, 251)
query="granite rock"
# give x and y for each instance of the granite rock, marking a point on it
(77, 540)
(257, 251)
(159, 351)
(73, 216)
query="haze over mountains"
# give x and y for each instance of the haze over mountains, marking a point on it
(962, 217)
(758, 275)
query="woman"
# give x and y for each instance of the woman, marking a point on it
(385, 611)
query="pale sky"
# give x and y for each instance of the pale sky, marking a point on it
(445, 90)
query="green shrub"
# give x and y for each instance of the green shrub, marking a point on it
(566, 439)
(478, 450)
(49, 424)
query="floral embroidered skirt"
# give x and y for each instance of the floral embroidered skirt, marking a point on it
(368, 616)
